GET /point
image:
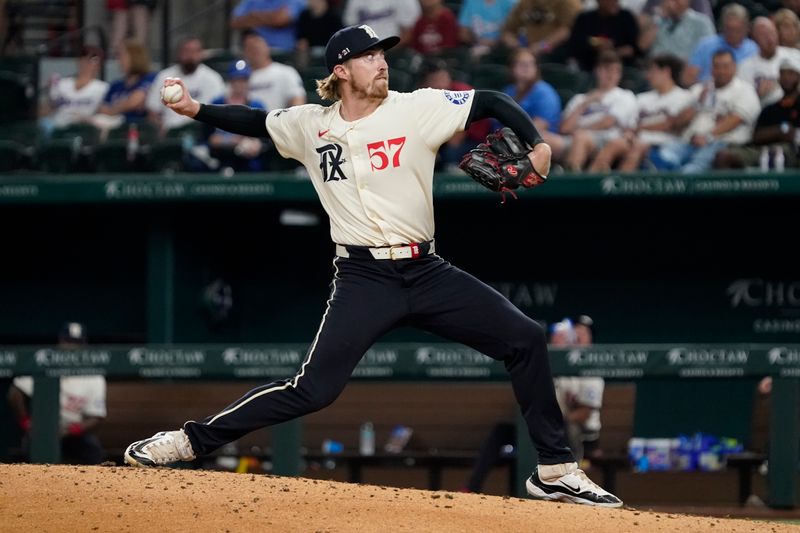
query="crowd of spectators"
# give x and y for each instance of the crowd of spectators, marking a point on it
(626, 85)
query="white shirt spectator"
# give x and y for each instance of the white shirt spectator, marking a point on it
(276, 85)
(634, 6)
(71, 104)
(755, 68)
(81, 397)
(738, 97)
(386, 17)
(619, 103)
(655, 107)
(680, 38)
(572, 392)
(204, 84)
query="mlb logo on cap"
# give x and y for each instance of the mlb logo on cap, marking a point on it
(352, 41)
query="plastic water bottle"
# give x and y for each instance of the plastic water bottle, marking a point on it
(76, 148)
(132, 147)
(763, 160)
(779, 159)
(366, 441)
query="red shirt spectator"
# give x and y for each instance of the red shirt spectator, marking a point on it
(435, 29)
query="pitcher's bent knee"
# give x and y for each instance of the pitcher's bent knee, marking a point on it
(529, 336)
(320, 399)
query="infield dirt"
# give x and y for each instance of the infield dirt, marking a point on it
(106, 498)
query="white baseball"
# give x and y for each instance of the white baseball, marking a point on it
(172, 94)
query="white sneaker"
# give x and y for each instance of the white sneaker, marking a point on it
(162, 448)
(569, 484)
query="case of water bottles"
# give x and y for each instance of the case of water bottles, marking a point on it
(683, 453)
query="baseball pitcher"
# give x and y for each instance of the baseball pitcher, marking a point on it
(371, 156)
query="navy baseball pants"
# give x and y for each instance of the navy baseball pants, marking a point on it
(370, 297)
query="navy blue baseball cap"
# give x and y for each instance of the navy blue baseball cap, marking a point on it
(353, 40)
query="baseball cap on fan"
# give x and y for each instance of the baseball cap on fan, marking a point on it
(353, 40)
(72, 333)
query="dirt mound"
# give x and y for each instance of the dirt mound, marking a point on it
(66, 498)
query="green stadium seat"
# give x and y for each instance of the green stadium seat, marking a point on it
(565, 79)
(112, 155)
(193, 129)
(167, 153)
(400, 80)
(311, 75)
(565, 95)
(313, 98)
(69, 148)
(16, 98)
(489, 76)
(220, 62)
(634, 79)
(459, 75)
(18, 144)
(457, 57)
(498, 55)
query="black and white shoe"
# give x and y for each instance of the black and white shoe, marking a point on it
(163, 448)
(571, 485)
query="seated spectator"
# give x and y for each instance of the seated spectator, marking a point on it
(203, 82)
(435, 30)
(385, 17)
(755, 8)
(273, 84)
(591, 120)
(129, 14)
(274, 20)
(537, 97)
(316, 24)
(652, 7)
(727, 109)
(12, 28)
(735, 23)
(540, 25)
(792, 5)
(580, 398)
(659, 111)
(75, 99)
(237, 151)
(82, 405)
(778, 125)
(126, 96)
(761, 69)
(788, 24)
(675, 31)
(607, 28)
(436, 75)
(480, 23)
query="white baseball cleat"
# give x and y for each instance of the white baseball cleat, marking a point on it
(568, 483)
(163, 448)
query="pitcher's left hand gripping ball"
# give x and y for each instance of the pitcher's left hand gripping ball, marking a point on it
(501, 164)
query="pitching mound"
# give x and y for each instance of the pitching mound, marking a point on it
(66, 498)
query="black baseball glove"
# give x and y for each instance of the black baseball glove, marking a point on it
(501, 164)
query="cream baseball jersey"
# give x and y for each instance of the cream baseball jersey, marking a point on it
(374, 176)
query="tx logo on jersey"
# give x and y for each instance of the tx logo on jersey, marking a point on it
(330, 162)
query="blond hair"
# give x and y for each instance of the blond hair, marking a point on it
(139, 58)
(786, 16)
(328, 88)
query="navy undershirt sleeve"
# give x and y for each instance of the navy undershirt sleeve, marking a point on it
(494, 104)
(238, 119)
